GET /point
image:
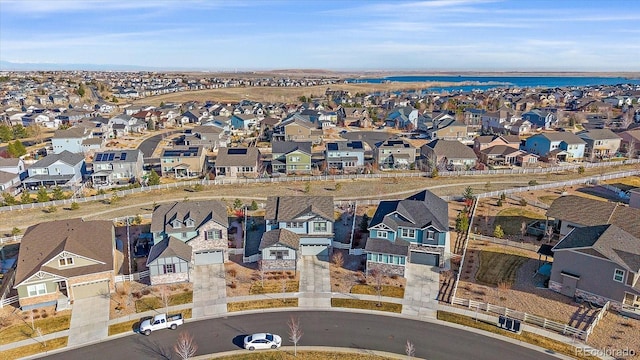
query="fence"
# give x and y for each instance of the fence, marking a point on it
(132, 277)
(597, 319)
(522, 316)
(251, 259)
(8, 301)
(7, 284)
(356, 252)
(504, 242)
(464, 249)
(11, 239)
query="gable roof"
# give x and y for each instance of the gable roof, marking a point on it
(284, 208)
(66, 157)
(280, 236)
(169, 247)
(609, 241)
(567, 137)
(598, 134)
(70, 133)
(451, 149)
(238, 156)
(42, 242)
(285, 147)
(417, 211)
(200, 211)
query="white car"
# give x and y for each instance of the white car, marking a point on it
(262, 341)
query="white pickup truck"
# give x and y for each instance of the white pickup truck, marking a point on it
(159, 322)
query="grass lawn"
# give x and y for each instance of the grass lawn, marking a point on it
(548, 199)
(261, 304)
(152, 303)
(387, 290)
(366, 305)
(496, 267)
(27, 350)
(531, 338)
(273, 286)
(302, 355)
(511, 219)
(129, 325)
(23, 331)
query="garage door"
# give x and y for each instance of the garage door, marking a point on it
(82, 291)
(209, 257)
(314, 250)
(425, 258)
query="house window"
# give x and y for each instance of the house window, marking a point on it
(184, 235)
(176, 224)
(294, 225)
(382, 234)
(320, 227)
(430, 234)
(65, 261)
(408, 233)
(294, 159)
(279, 254)
(37, 289)
(213, 234)
(169, 268)
(618, 275)
(189, 223)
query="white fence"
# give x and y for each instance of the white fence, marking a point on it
(8, 301)
(356, 252)
(505, 242)
(464, 249)
(132, 277)
(236, 251)
(11, 239)
(522, 316)
(597, 319)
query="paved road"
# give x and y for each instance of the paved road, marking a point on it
(149, 145)
(335, 328)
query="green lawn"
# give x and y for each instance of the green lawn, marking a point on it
(366, 305)
(387, 290)
(27, 350)
(261, 304)
(23, 330)
(510, 219)
(496, 267)
(153, 303)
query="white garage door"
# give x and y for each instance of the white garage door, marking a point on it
(425, 258)
(82, 291)
(314, 250)
(209, 257)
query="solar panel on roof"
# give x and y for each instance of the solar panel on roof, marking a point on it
(355, 145)
(99, 157)
(237, 151)
(123, 156)
(332, 146)
(111, 156)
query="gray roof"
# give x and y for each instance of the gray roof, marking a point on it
(383, 246)
(568, 137)
(118, 155)
(239, 156)
(285, 147)
(169, 247)
(599, 134)
(66, 157)
(280, 236)
(200, 212)
(5, 177)
(608, 241)
(286, 208)
(417, 211)
(451, 149)
(9, 162)
(70, 133)
(500, 150)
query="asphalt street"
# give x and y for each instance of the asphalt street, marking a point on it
(320, 328)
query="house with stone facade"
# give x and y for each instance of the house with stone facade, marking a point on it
(203, 225)
(169, 261)
(65, 260)
(414, 230)
(279, 250)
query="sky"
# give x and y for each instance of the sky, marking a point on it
(430, 35)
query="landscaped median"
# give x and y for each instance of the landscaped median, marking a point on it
(261, 304)
(366, 305)
(36, 348)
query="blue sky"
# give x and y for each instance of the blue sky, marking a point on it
(438, 35)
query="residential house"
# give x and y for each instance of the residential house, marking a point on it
(556, 146)
(600, 143)
(448, 129)
(309, 217)
(599, 264)
(244, 121)
(449, 154)
(10, 183)
(634, 198)
(344, 156)
(291, 157)
(630, 143)
(297, 128)
(169, 261)
(183, 161)
(13, 166)
(117, 167)
(501, 155)
(66, 260)
(211, 137)
(405, 117)
(498, 121)
(394, 154)
(65, 169)
(238, 162)
(413, 230)
(279, 250)
(123, 124)
(203, 225)
(70, 139)
(486, 141)
(541, 118)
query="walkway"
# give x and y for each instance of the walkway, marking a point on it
(421, 291)
(89, 320)
(315, 283)
(209, 290)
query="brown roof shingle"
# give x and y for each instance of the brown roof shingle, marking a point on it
(280, 236)
(285, 208)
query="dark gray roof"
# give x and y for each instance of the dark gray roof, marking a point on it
(598, 134)
(285, 147)
(5, 177)
(286, 208)
(239, 156)
(417, 211)
(609, 241)
(118, 156)
(383, 246)
(169, 247)
(451, 149)
(66, 157)
(567, 137)
(200, 211)
(500, 150)
(280, 236)
(70, 133)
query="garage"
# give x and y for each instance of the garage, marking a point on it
(95, 288)
(424, 258)
(314, 250)
(209, 257)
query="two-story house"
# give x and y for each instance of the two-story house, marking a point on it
(297, 127)
(65, 169)
(414, 230)
(556, 146)
(244, 121)
(70, 140)
(12, 171)
(345, 156)
(310, 218)
(541, 118)
(291, 157)
(486, 141)
(183, 161)
(394, 154)
(209, 136)
(117, 167)
(449, 154)
(600, 143)
(238, 162)
(66, 260)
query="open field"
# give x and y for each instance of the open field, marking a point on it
(498, 268)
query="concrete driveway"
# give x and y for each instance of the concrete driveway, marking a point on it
(89, 320)
(209, 290)
(421, 291)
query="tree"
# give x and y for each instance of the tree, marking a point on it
(137, 220)
(42, 195)
(254, 205)
(25, 198)
(237, 204)
(185, 347)
(57, 193)
(498, 232)
(337, 259)
(114, 99)
(523, 202)
(15, 231)
(468, 195)
(9, 199)
(75, 206)
(19, 132)
(35, 131)
(364, 223)
(162, 103)
(154, 178)
(410, 349)
(338, 186)
(378, 278)
(462, 222)
(16, 149)
(114, 199)
(81, 90)
(307, 187)
(523, 229)
(581, 170)
(500, 202)
(6, 133)
(295, 333)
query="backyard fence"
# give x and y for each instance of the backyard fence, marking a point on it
(465, 241)
(8, 301)
(7, 284)
(544, 323)
(132, 277)
(505, 242)
(597, 319)
(10, 240)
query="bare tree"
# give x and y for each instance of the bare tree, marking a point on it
(523, 229)
(295, 333)
(631, 148)
(378, 278)
(261, 271)
(410, 349)
(338, 259)
(164, 296)
(549, 232)
(185, 346)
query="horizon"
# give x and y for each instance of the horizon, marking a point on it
(434, 36)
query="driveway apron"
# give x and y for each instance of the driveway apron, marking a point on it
(315, 283)
(89, 320)
(421, 291)
(209, 290)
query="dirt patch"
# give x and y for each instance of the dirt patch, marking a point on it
(123, 301)
(351, 273)
(12, 315)
(615, 332)
(247, 279)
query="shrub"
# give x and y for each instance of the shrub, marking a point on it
(533, 183)
(581, 170)
(232, 273)
(499, 203)
(198, 187)
(338, 259)
(233, 285)
(75, 206)
(523, 202)
(146, 291)
(45, 315)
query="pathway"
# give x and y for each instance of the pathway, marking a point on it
(209, 290)
(89, 320)
(421, 291)
(315, 283)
